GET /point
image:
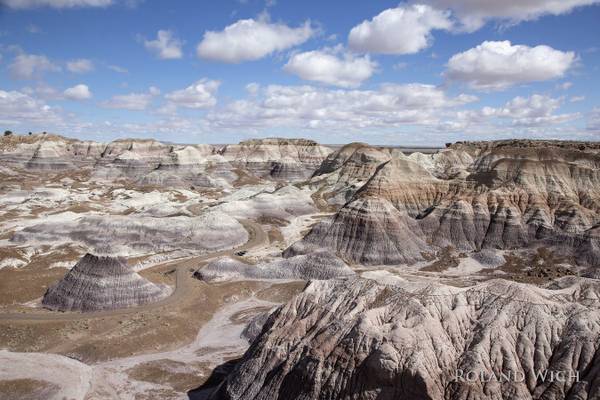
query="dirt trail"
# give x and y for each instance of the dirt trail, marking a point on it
(217, 341)
(127, 378)
(257, 237)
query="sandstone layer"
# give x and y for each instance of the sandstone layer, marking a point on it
(344, 171)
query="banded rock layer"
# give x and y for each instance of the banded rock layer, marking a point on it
(317, 265)
(134, 235)
(364, 340)
(285, 159)
(366, 231)
(502, 197)
(344, 171)
(143, 161)
(151, 162)
(99, 283)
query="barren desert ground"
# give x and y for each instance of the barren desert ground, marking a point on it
(137, 269)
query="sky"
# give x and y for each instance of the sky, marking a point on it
(423, 72)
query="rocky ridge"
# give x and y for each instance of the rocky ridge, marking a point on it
(498, 197)
(362, 339)
(316, 265)
(344, 171)
(131, 235)
(150, 162)
(284, 159)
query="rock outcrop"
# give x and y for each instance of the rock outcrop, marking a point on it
(137, 235)
(99, 283)
(317, 265)
(142, 161)
(285, 159)
(266, 202)
(367, 231)
(503, 196)
(150, 162)
(48, 152)
(346, 170)
(362, 340)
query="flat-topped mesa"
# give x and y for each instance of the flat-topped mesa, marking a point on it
(189, 165)
(152, 162)
(48, 152)
(390, 339)
(593, 147)
(286, 159)
(280, 141)
(148, 161)
(98, 283)
(142, 161)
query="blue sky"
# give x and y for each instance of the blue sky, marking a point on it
(386, 72)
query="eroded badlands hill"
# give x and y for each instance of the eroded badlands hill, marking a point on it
(317, 265)
(102, 283)
(521, 210)
(506, 195)
(285, 159)
(151, 162)
(363, 340)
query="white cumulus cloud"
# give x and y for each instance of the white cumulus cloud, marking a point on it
(29, 66)
(473, 14)
(17, 108)
(405, 29)
(593, 120)
(309, 107)
(201, 94)
(27, 4)
(132, 101)
(118, 69)
(78, 92)
(252, 88)
(166, 46)
(536, 110)
(80, 66)
(499, 65)
(250, 39)
(326, 66)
